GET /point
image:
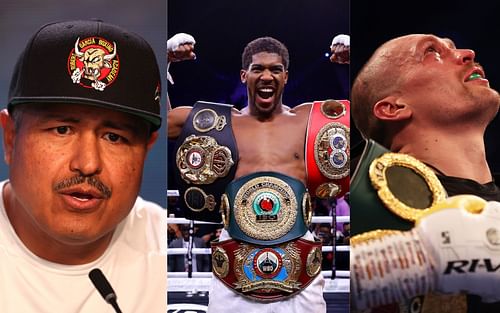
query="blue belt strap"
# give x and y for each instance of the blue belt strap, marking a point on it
(298, 229)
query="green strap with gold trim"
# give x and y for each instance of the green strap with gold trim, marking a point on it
(391, 190)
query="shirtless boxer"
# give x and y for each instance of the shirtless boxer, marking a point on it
(270, 137)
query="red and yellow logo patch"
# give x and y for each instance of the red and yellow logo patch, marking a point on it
(93, 63)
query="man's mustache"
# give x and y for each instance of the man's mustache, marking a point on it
(90, 180)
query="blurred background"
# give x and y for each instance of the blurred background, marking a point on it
(20, 19)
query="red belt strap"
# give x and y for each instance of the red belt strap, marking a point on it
(266, 273)
(327, 148)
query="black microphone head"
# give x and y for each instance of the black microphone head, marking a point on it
(102, 285)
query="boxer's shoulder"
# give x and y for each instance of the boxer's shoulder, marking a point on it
(302, 108)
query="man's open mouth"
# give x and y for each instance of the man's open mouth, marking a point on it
(476, 73)
(265, 93)
(82, 196)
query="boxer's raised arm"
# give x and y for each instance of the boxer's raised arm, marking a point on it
(179, 48)
(340, 49)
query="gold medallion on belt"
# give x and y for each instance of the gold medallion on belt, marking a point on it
(207, 119)
(265, 208)
(220, 262)
(333, 109)
(405, 185)
(314, 262)
(285, 256)
(201, 160)
(197, 200)
(331, 150)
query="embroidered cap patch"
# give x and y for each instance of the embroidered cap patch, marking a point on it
(93, 63)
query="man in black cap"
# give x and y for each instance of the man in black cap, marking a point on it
(83, 111)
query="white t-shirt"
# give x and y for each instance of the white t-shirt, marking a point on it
(223, 299)
(134, 264)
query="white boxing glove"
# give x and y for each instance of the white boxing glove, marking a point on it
(465, 246)
(173, 47)
(454, 247)
(179, 39)
(341, 40)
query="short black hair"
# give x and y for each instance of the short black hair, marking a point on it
(264, 44)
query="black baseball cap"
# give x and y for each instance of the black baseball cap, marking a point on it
(89, 62)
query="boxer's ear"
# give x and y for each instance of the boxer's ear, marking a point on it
(392, 108)
(243, 76)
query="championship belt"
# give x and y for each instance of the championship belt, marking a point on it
(327, 149)
(266, 208)
(206, 157)
(391, 190)
(269, 273)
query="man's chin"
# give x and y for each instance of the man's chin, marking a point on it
(265, 107)
(493, 100)
(79, 232)
(77, 237)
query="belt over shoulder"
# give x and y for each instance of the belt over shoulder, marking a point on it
(389, 191)
(327, 148)
(206, 160)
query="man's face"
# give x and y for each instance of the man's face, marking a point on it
(347, 228)
(75, 170)
(325, 234)
(442, 82)
(265, 78)
(185, 232)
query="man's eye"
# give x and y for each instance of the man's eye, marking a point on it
(113, 137)
(431, 49)
(62, 130)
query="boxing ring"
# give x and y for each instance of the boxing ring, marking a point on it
(192, 287)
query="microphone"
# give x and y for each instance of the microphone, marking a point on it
(102, 285)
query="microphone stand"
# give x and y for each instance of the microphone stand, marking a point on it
(115, 306)
(104, 287)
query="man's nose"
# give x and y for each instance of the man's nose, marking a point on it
(86, 159)
(465, 55)
(267, 75)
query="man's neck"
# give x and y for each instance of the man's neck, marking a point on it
(264, 116)
(458, 154)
